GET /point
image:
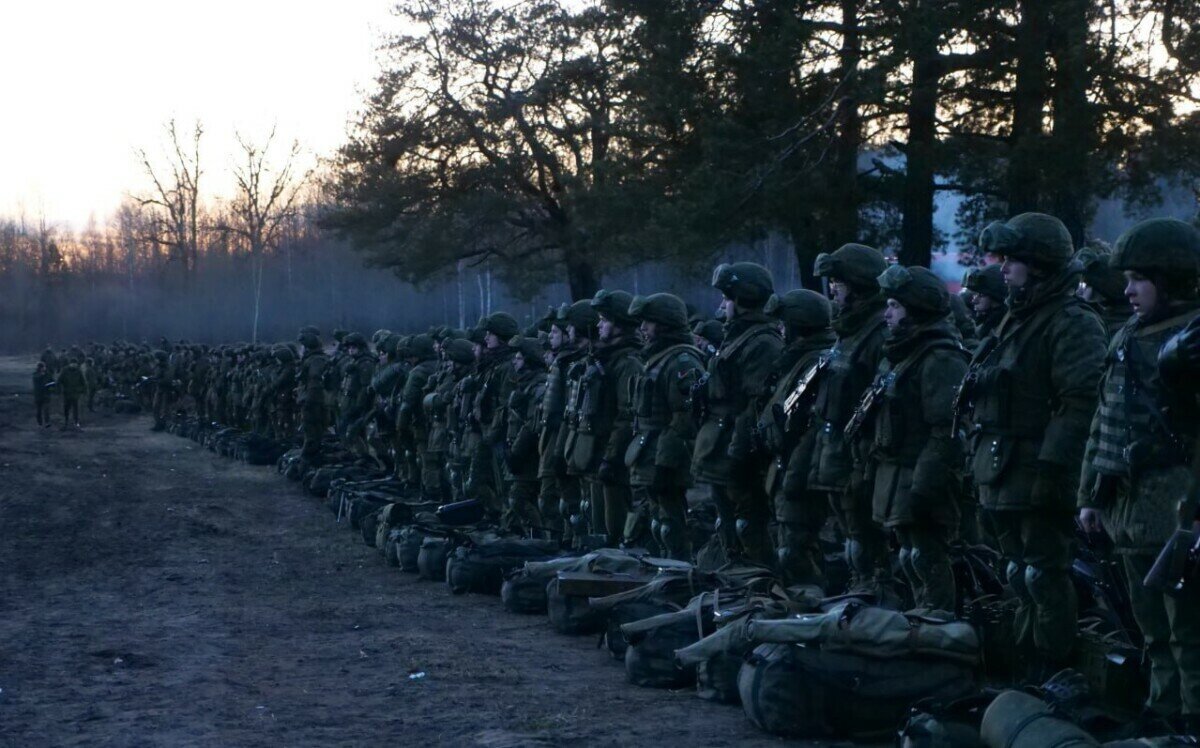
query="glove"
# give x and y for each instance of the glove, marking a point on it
(1052, 487)
(606, 472)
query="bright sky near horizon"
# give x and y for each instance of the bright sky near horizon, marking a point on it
(86, 83)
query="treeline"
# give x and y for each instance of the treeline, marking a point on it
(557, 140)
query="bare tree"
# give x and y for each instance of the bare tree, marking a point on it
(175, 198)
(265, 200)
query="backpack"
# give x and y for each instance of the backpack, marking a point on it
(407, 548)
(1017, 720)
(523, 592)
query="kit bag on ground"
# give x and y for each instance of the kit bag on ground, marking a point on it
(1017, 720)
(523, 592)
(479, 566)
(651, 644)
(802, 691)
(407, 547)
(432, 558)
(934, 724)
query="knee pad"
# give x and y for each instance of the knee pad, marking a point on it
(564, 510)
(855, 554)
(906, 559)
(1038, 581)
(1016, 578)
(785, 556)
(666, 533)
(742, 527)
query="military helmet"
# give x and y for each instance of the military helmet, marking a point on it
(917, 288)
(747, 283)
(355, 339)
(614, 305)
(420, 346)
(283, 354)
(161, 355)
(579, 315)
(501, 324)
(530, 349)
(1032, 238)
(855, 264)
(665, 309)
(711, 330)
(1095, 257)
(1159, 245)
(387, 344)
(459, 350)
(309, 338)
(379, 335)
(800, 308)
(477, 334)
(988, 281)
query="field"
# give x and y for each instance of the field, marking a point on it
(153, 593)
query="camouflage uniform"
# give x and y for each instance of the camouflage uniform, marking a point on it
(1032, 386)
(560, 493)
(521, 437)
(914, 455)
(726, 454)
(1135, 466)
(853, 362)
(799, 511)
(310, 394)
(664, 431)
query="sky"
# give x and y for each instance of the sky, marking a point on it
(85, 84)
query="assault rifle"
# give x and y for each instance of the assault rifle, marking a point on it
(806, 387)
(870, 400)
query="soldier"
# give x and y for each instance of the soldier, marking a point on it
(1136, 464)
(737, 383)
(310, 393)
(784, 423)
(457, 358)
(913, 454)
(485, 451)
(528, 385)
(1032, 390)
(989, 293)
(570, 338)
(354, 401)
(1103, 286)
(162, 382)
(91, 375)
(659, 455)
(605, 415)
(279, 394)
(42, 384)
(851, 274)
(73, 386)
(410, 418)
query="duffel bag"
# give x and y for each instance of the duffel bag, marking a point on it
(805, 692)
(1017, 720)
(431, 560)
(481, 568)
(408, 548)
(523, 592)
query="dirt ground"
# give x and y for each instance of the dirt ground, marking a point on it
(153, 593)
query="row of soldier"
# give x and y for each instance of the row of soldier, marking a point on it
(872, 404)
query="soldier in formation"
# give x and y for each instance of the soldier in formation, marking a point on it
(867, 416)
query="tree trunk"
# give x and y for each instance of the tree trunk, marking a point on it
(1070, 176)
(1029, 105)
(581, 277)
(843, 219)
(916, 232)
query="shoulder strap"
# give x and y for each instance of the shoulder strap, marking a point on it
(662, 355)
(741, 340)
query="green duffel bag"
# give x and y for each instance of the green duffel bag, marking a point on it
(945, 725)
(407, 548)
(571, 614)
(480, 566)
(389, 547)
(628, 612)
(650, 657)
(432, 558)
(523, 592)
(1017, 720)
(804, 692)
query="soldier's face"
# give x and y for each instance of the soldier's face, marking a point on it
(1086, 292)
(839, 293)
(605, 329)
(518, 362)
(556, 337)
(728, 307)
(491, 340)
(894, 314)
(983, 304)
(649, 331)
(572, 334)
(1016, 273)
(1142, 294)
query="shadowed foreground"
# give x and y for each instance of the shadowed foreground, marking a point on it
(153, 593)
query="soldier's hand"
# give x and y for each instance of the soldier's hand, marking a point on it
(1089, 519)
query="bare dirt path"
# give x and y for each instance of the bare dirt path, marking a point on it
(153, 593)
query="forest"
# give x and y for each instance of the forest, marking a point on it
(517, 154)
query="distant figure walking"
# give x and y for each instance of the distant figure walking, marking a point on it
(73, 386)
(42, 384)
